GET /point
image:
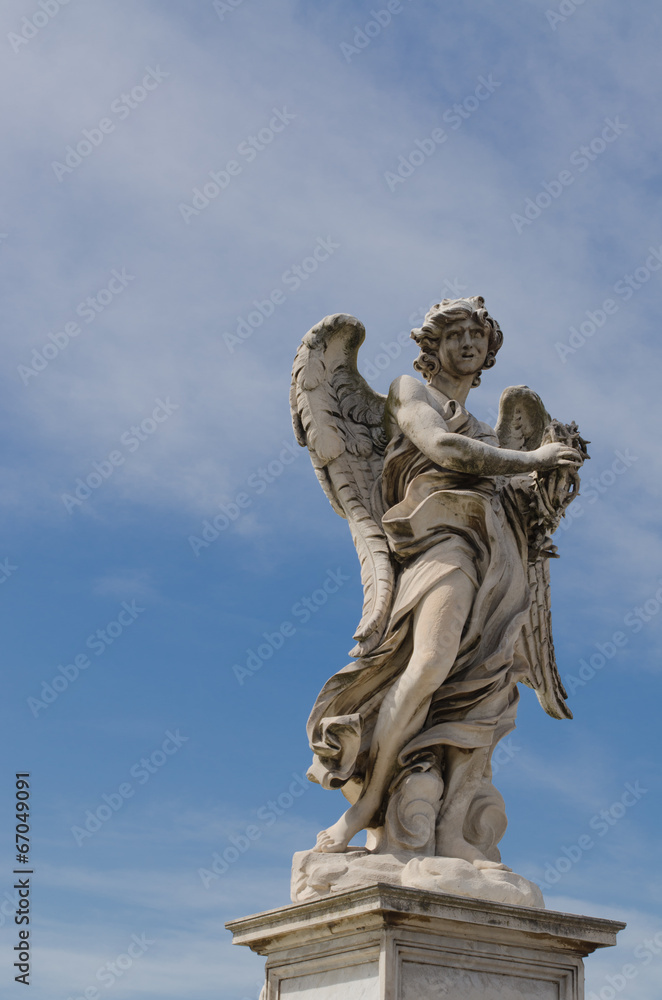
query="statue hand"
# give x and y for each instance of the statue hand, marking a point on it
(555, 455)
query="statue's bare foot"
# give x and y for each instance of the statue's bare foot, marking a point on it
(458, 847)
(336, 838)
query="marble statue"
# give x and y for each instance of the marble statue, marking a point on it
(452, 521)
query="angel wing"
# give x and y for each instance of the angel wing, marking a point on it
(340, 419)
(525, 424)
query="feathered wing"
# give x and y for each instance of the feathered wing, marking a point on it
(538, 645)
(340, 419)
(525, 424)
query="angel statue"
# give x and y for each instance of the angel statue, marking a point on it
(452, 523)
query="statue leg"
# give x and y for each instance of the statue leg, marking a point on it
(438, 624)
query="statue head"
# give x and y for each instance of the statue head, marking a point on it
(444, 314)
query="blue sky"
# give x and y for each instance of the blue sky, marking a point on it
(149, 390)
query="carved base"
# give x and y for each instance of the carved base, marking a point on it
(315, 876)
(389, 943)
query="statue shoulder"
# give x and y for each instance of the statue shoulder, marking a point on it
(406, 387)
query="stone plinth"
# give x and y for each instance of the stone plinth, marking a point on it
(315, 875)
(385, 942)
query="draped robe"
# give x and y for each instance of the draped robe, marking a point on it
(437, 521)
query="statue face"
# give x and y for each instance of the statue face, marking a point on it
(463, 347)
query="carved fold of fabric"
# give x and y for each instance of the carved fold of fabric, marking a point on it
(435, 531)
(404, 463)
(466, 735)
(336, 751)
(356, 690)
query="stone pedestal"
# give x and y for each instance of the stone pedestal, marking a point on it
(384, 942)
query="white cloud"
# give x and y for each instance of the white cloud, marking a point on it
(164, 334)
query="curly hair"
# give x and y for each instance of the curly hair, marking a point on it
(441, 315)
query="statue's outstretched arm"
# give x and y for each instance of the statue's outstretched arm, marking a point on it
(410, 406)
